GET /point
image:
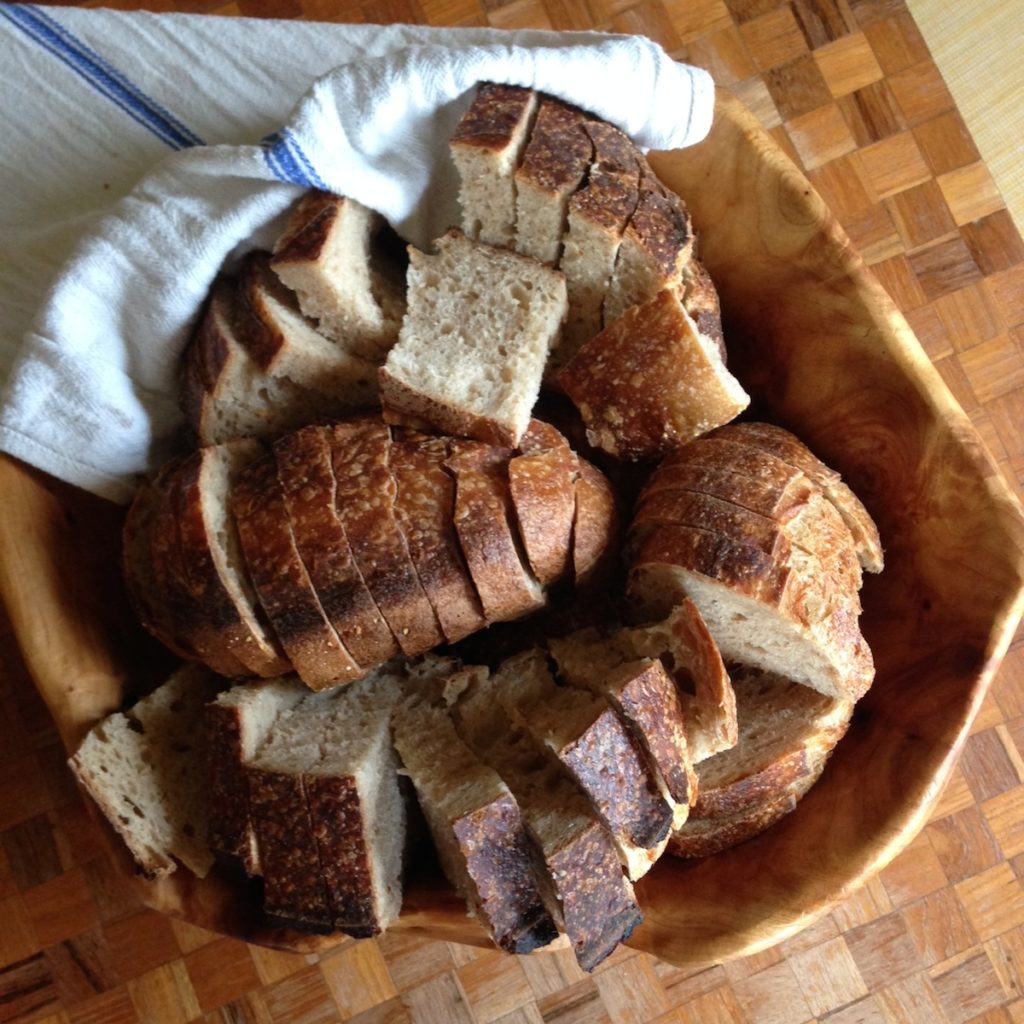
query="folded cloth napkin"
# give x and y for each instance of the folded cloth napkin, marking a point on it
(143, 151)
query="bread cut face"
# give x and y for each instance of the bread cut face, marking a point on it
(475, 339)
(344, 282)
(486, 146)
(144, 769)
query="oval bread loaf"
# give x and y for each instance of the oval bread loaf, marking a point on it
(350, 555)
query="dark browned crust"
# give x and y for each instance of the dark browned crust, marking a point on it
(230, 826)
(559, 151)
(338, 822)
(660, 226)
(365, 501)
(493, 116)
(304, 467)
(705, 512)
(293, 884)
(649, 702)
(281, 580)
(700, 300)
(308, 228)
(499, 857)
(599, 909)
(425, 509)
(596, 526)
(483, 522)
(780, 497)
(259, 335)
(609, 766)
(213, 601)
(208, 352)
(610, 194)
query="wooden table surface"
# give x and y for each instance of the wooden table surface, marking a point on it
(849, 90)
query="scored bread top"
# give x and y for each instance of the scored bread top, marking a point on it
(305, 469)
(281, 580)
(365, 501)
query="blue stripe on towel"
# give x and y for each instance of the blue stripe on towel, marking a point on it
(288, 162)
(103, 76)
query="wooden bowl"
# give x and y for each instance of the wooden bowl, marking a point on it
(824, 351)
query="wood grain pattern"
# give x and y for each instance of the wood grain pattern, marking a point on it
(847, 88)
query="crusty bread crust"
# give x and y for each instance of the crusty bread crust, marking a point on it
(365, 501)
(305, 469)
(596, 526)
(281, 581)
(483, 522)
(425, 510)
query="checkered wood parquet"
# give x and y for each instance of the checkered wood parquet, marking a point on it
(848, 89)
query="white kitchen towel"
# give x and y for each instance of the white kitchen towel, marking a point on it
(142, 151)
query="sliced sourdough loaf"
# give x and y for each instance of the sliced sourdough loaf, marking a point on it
(144, 770)
(484, 524)
(486, 146)
(328, 255)
(216, 573)
(306, 471)
(786, 731)
(466, 366)
(656, 248)
(425, 511)
(587, 894)
(328, 811)
(791, 450)
(235, 726)
(598, 214)
(281, 581)
(365, 501)
(650, 381)
(542, 485)
(554, 164)
(585, 734)
(476, 825)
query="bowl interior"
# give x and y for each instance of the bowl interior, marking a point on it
(823, 350)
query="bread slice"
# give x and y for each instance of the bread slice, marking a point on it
(328, 812)
(225, 394)
(343, 280)
(174, 593)
(475, 823)
(554, 164)
(235, 725)
(595, 528)
(589, 739)
(650, 382)
(282, 582)
(139, 572)
(484, 525)
(598, 214)
(791, 450)
(365, 501)
(486, 146)
(542, 484)
(587, 894)
(144, 769)
(645, 696)
(657, 245)
(306, 471)
(475, 340)
(760, 612)
(425, 511)
(216, 572)
(785, 730)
